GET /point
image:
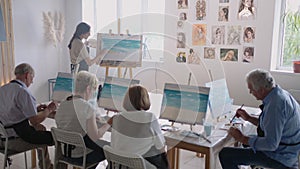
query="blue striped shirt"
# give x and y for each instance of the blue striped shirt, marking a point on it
(280, 121)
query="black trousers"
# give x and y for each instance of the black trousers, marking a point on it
(29, 134)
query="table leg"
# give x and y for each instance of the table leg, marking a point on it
(177, 158)
(33, 158)
(207, 161)
(171, 154)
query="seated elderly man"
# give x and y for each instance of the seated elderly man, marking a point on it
(277, 143)
(21, 117)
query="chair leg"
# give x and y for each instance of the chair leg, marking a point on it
(44, 160)
(25, 156)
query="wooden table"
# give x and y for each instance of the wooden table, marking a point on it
(175, 142)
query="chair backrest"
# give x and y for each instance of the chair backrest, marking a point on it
(3, 131)
(116, 158)
(68, 138)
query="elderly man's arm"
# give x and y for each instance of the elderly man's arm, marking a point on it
(42, 115)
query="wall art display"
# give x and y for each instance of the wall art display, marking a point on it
(181, 40)
(223, 13)
(193, 57)
(248, 54)
(218, 35)
(234, 35)
(182, 4)
(246, 10)
(199, 34)
(209, 53)
(249, 34)
(181, 57)
(229, 54)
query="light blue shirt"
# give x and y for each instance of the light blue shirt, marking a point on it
(17, 104)
(280, 121)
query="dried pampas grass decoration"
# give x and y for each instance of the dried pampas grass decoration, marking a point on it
(54, 26)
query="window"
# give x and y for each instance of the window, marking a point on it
(289, 34)
(145, 17)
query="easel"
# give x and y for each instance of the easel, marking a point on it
(119, 67)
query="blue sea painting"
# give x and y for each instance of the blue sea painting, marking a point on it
(112, 91)
(63, 84)
(121, 45)
(196, 102)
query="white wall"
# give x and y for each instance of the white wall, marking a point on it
(31, 47)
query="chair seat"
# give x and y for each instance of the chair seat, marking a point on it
(77, 161)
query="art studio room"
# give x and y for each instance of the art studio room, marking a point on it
(170, 84)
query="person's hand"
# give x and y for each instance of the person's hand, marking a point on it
(243, 114)
(110, 120)
(52, 114)
(235, 133)
(52, 106)
(41, 107)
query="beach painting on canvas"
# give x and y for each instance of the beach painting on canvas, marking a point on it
(120, 50)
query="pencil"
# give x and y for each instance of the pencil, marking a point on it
(235, 114)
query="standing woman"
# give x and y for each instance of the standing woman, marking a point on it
(78, 51)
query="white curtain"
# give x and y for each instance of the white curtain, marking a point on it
(7, 58)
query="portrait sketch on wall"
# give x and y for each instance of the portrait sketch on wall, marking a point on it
(248, 54)
(182, 16)
(229, 54)
(249, 34)
(223, 13)
(180, 25)
(246, 10)
(223, 1)
(181, 40)
(218, 35)
(181, 57)
(234, 35)
(209, 53)
(199, 34)
(201, 9)
(182, 4)
(193, 57)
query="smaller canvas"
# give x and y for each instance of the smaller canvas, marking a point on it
(64, 86)
(113, 92)
(184, 104)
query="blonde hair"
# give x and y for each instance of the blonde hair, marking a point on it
(83, 80)
(136, 98)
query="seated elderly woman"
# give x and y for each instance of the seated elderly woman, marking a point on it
(78, 115)
(137, 131)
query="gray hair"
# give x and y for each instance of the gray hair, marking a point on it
(259, 78)
(23, 68)
(85, 79)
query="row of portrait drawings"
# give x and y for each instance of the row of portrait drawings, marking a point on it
(232, 35)
(198, 10)
(225, 54)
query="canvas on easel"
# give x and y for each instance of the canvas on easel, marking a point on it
(64, 86)
(121, 50)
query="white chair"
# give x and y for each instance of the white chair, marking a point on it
(117, 159)
(62, 138)
(8, 153)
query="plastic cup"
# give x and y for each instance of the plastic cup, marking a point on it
(207, 128)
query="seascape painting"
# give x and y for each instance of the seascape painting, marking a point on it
(120, 50)
(64, 86)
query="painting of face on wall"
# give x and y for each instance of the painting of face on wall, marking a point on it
(246, 10)
(234, 35)
(249, 34)
(199, 34)
(201, 9)
(209, 53)
(181, 57)
(248, 54)
(182, 4)
(182, 16)
(229, 54)
(223, 1)
(223, 13)
(193, 57)
(218, 35)
(181, 40)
